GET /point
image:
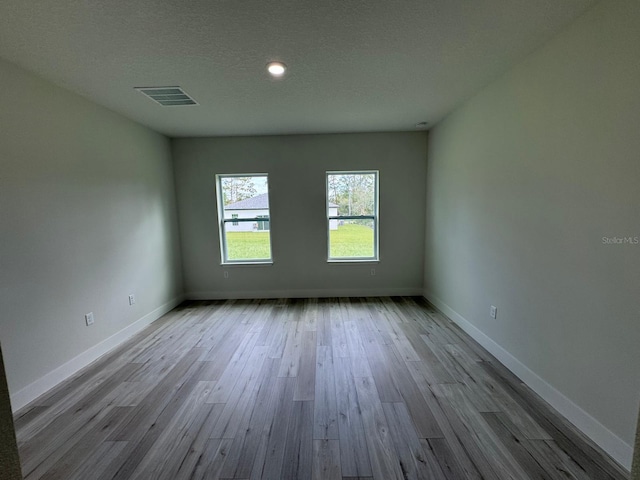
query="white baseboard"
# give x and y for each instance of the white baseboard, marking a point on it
(617, 448)
(309, 293)
(64, 371)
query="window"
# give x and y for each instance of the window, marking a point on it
(263, 224)
(352, 215)
(243, 214)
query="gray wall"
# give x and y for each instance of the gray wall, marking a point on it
(296, 166)
(87, 212)
(524, 180)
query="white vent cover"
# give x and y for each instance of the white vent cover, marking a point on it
(167, 96)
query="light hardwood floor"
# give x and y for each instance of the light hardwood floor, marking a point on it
(344, 389)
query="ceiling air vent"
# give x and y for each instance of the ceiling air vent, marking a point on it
(167, 96)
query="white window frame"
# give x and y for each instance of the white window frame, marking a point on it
(223, 221)
(375, 217)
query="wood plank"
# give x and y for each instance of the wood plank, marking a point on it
(97, 462)
(354, 341)
(354, 453)
(25, 416)
(180, 379)
(527, 461)
(258, 320)
(270, 457)
(298, 453)
(376, 322)
(325, 412)
(272, 320)
(449, 424)
(280, 326)
(438, 372)
(197, 450)
(89, 382)
(222, 352)
(64, 462)
(450, 464)
(360, 367)
(247, 441)
(326, 460)
(382, 453)
(483, 398)
(527, 428)
(415, 461)
(212, 460)
(457, 371)
(469, 452)
(150, 421)
(310, 315)
(392, 320)
(323, 329)
(171, 446)
(502, 462)
(306, 382)
(383, 373)
(234, 370)
(565, 436)
(338, 334)
(44, 449)
(555, 461)
(292, 351)
(419, 410)
(238, 408)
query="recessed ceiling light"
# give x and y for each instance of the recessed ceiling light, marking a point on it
(422, 124)
(276, 69)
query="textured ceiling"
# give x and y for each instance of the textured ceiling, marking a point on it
(354, 65)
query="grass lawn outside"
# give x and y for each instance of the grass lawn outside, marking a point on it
(349, 240)
(248, 246)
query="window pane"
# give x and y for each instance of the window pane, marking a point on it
(254, 245)
(351, 193)
(244, 199)
(351, 238)
(263, 224)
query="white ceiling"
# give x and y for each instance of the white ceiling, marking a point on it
(354, 65)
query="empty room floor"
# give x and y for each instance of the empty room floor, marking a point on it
(345, 389)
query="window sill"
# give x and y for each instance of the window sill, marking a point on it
(353, 260)
(250, 263)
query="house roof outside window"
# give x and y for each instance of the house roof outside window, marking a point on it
(258, 202)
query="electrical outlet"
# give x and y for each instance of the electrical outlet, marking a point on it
(132, 299)
(226, 274)
(89, 318)
(493, 311)
(373, 272)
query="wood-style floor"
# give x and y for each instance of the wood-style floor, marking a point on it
(361, 388)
